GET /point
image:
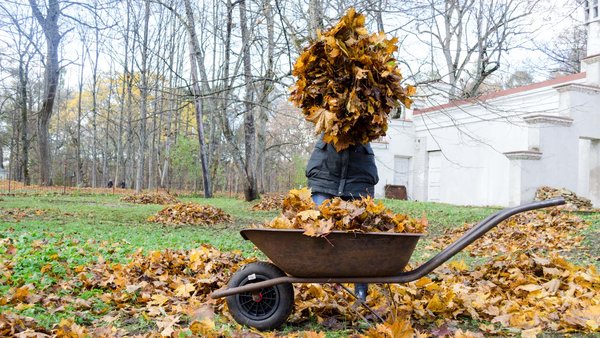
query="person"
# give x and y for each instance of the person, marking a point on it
(348, 174)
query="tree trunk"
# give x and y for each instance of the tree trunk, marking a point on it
(250, 189)
(315, 14)
(24, 165)
(267, 87)
(95, 109)
(139, 177)
(124, 83)
(194, 53)
(77, 141)
(164, 177)
(53, 37)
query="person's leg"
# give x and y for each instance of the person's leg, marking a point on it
(361, 290)
(319, 197)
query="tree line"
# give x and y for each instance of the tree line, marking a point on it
(189, 94)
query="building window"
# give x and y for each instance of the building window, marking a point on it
(590, 10)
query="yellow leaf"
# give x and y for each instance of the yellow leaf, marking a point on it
(203, 327)
(402, 329)
(529, 287)
(531, 333)
(459, 265)
(159, 299)
(435, 304)
(184, 290)
(309, 214)
(591, 324)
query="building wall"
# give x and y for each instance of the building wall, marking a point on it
(399, 141)
(478, 143)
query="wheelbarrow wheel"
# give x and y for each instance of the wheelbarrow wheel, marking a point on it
(264, 309)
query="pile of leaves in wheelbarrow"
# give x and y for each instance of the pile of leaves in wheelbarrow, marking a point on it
(190, 213)
(348, 82)
(360, 215)
(270, 201)
(150, 198)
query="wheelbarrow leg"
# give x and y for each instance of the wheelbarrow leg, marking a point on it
(363, 303)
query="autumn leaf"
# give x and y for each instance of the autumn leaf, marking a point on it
(167, 325)
(69, 329)
(203, 328)
(318, 229)
(184, 290)
(308, 214)
(159, 299)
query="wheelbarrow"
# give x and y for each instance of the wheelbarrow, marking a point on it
(261, 294)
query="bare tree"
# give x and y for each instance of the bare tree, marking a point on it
(196, 60)
(567, 50)
(471, 36)
(49, 24)
(139, 177)
(23, 38)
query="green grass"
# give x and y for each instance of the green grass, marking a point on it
(75, 230)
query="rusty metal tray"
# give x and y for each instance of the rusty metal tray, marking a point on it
(339, 254)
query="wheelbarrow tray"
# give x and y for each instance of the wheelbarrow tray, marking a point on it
(338, 254)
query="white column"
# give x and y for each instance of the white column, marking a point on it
(594, 173)
(514, 181)
(583, 168)
(593, 39)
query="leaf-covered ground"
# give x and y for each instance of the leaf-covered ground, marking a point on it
(93, 265)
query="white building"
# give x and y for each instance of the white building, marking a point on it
(501, 148)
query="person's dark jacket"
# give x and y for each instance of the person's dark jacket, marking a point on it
(350, 173)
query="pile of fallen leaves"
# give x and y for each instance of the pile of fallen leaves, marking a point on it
(190, 213)
(348, 82)
(520, 290)
(271, 201)
(11, 325)
(360, 215)
(551, 229)
(17, 214)
(150, 198)
(169, 287)
(165, 281)
(574, 202)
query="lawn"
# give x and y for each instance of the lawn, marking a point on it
(45, 240)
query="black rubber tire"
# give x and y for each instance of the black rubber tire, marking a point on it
(273, 307)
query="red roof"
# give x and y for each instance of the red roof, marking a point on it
(506, 92)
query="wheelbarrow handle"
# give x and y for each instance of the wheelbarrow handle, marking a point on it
(472, 235)
(467, 238)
